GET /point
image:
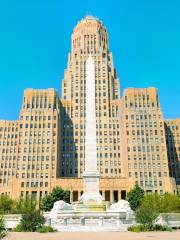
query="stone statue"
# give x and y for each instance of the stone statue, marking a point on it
(60, 206)
(121, 206)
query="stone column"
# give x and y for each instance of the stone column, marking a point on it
(71, 196)
(111, 197)
(90, 144)
(103, 195)
(90, 175)
(119, 195)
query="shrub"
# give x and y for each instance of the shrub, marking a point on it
(33, 222)
(45, 229)
(2, 228)
(30, 222)
(6, 204)
(135, 228)
(162, 228)
(56, 194)
(146, 216)
(18, 228)
(135, 197)
(145, 228)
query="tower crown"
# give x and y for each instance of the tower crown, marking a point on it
(89, 35)
(91, 17)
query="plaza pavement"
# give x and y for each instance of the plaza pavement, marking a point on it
(175, 235)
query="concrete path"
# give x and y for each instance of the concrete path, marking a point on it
(175, 235)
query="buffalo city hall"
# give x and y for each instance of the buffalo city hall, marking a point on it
(45, 148)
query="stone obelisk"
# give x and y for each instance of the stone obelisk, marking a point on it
(91, 193)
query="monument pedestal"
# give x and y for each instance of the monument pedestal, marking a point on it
(91, 200)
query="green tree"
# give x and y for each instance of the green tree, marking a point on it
(21, 205)
(146, 216)
(166, 203)
(170, 203)
(153, 200)
(57, 194)
(135, 197)
(47, 203)
(24, 205)
(6, 204)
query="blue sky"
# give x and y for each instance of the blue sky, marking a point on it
(35, 38)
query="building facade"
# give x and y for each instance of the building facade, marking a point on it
(144, 139)
(8, 151)
(90, 37)
(46, 146)
(30, 147)
(172, 128)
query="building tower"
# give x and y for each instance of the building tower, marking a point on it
(38, 146)
(172, 128)
(8, 151)
(90, 37)
(144, 142)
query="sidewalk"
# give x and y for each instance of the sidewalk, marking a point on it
(95, 236)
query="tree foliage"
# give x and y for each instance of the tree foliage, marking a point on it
(24, 205)
(166, 203)
(45, 229)
(135, 197)
(57, 194)
(6, 204)
(30, 222)
(2, 228)
(146, 216)
(21, 205)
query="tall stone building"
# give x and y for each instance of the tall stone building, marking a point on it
(29, 155)
(8, 151)
(90, 37)
(144, 142)
(46, 146)
(38, 150)
(172, 128)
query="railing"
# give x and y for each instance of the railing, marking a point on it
(91, 221)
(116, 221)
(170, 219)
(12, 220)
